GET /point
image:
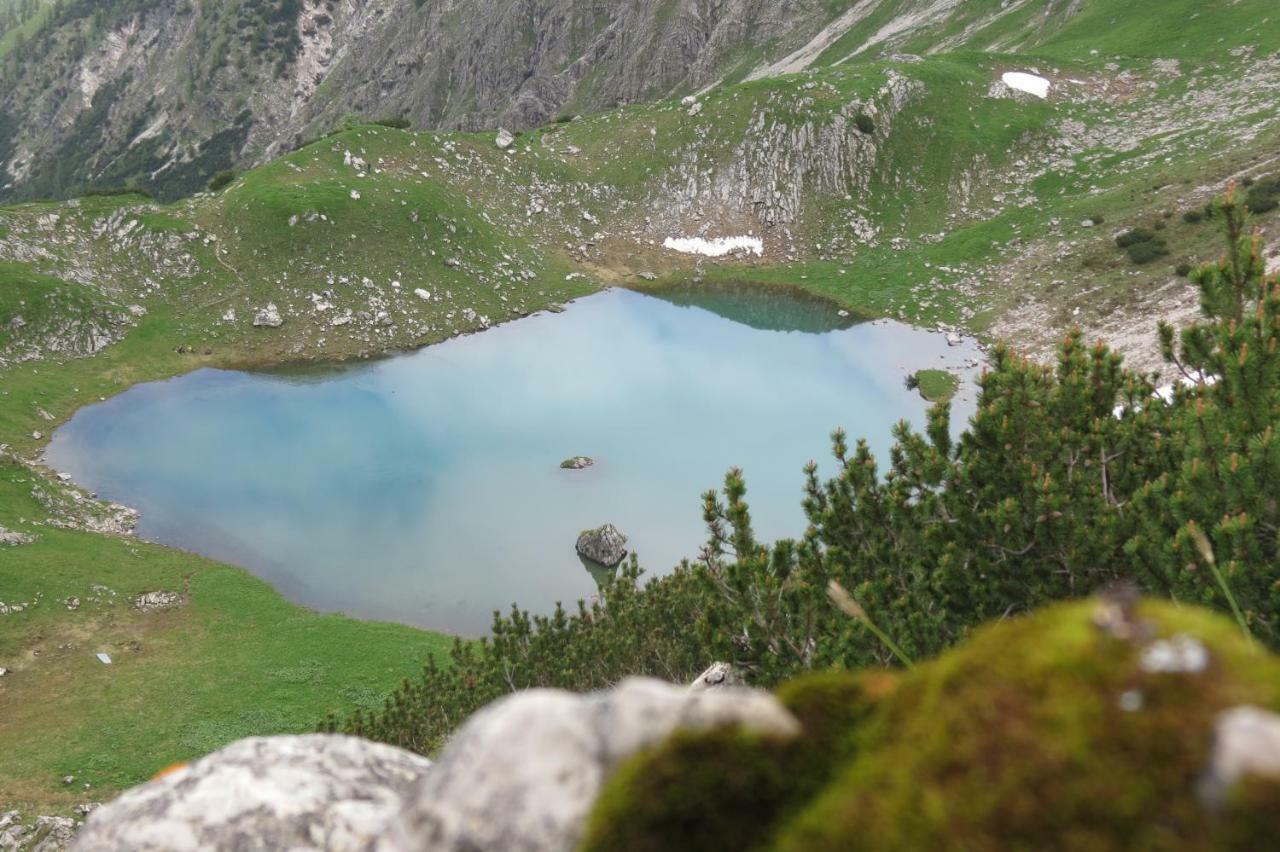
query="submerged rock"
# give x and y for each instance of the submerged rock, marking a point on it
(577, 463)
(604, 545)
(320, 791)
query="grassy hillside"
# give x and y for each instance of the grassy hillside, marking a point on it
(909, 186)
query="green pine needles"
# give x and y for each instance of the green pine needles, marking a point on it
(1068, 479)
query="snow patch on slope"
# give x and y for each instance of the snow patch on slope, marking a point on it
(1032, 84)
(718, 247)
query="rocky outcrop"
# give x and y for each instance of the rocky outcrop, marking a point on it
(41, 834)
(491, 63)
(12, 538)
(523, 774)
(155, 601)
(268, 317)
(319, 791)
(603, 545)
(577, 463)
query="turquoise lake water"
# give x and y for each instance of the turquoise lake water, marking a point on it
(426, 488)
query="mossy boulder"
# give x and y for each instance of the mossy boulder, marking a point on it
(1088, 725)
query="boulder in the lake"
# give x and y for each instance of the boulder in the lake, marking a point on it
(319, 791)
(523, 774)
(268, 317)
(577, 463)
(603, 545)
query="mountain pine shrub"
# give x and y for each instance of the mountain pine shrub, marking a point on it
(1069, 478)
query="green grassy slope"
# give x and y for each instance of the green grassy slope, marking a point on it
(959, 204)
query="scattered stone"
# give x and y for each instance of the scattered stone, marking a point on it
(3, 671)
(73, 603)
(154, 601)
(524, 773)
(577, 463)
(318, 791)
(954, 339)
(718, 676)
(13, 538)
(504, 139)
(105, 659)
(603, 545)
(268, 317)
(68, 779)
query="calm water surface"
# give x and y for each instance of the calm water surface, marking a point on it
(426, 488)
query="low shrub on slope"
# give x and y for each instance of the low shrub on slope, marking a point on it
(1067, 480)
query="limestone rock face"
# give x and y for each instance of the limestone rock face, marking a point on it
(523, 774)
(604, 545)
(318, 791)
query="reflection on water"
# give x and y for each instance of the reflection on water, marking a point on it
(426, 488)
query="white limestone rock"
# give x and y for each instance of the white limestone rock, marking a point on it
(314, 792)
(268, 317)
(523, 774)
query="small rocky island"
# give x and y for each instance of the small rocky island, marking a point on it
(603, 545)
(577, 463)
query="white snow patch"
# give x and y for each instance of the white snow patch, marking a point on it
(718, 247)
(1032, 84)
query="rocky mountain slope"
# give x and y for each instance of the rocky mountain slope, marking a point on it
(165, 93)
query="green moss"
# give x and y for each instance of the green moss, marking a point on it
(1045, 732)
(726, 789)
(1021, 739)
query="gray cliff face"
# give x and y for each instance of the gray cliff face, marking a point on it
(166, 93)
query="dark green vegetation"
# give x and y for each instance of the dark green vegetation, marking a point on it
(1042, 732)
(1067, 480)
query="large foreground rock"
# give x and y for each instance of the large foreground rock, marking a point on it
(523, 774)
(604, 545)
(319, 791)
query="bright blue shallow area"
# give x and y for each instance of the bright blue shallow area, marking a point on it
(426, 488)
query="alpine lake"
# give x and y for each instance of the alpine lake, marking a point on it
(427, 488)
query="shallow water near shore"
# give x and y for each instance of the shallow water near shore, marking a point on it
(426, 488)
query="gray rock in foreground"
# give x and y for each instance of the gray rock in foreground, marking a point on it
(319, 791)
(523, 774)
(604, 545)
